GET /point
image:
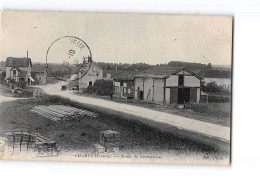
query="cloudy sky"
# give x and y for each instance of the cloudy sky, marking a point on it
(119, 37)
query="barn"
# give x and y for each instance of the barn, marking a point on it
(167, 85)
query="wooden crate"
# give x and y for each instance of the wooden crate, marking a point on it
(99, 148)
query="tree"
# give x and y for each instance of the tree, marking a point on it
(209, 66)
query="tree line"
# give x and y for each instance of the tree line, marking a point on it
(145, 66)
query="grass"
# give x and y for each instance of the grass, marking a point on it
(71, 135)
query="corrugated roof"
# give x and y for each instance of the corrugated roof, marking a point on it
(17, 62)
(164, 72)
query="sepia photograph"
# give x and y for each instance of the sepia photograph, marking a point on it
(116, 87)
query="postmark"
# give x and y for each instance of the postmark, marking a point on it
(73, 53)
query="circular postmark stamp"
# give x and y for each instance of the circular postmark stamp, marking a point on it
(68, 57)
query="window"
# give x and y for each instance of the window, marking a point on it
(90, 83)
(181, 80)
(14, 73)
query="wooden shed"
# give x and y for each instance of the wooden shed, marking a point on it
(168, 85)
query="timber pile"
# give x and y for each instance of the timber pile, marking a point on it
(62, 113)
(29, 144)
(109, 142)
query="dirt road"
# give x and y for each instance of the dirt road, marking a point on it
(182, 123)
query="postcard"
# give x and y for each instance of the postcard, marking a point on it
(115, 87)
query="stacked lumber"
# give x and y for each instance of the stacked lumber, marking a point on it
(62, 113)
(17, 143)
(29, 144)
(109, 142)
(45, 147)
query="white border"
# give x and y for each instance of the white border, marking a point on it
(245, 148)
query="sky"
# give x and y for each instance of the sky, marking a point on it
(120, 37)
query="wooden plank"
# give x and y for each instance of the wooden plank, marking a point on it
(46, 115)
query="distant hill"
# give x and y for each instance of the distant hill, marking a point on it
(221, 67)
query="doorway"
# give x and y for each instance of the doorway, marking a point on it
(183, 95)
(141, 95)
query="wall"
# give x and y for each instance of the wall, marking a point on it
(198, 95)
(155, 95)
(138, 83)
(172, 81)
(7, 69)
(191, 81)
(148, 89)
(158, 91)
(167, 95)
(41, 78)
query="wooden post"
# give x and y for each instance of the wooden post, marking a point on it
(164, 89)
(153, 88)
(143, 88)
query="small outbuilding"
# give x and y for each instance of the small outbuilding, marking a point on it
(39, 74)
(124, 83)
(167, 85)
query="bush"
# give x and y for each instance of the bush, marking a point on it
(101, 87)
(218, 99)
(212, 87)
(27, 93)
(21, 84)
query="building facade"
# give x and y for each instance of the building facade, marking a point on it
(167, 86)
(124, 85)
(19, 70)
(89, 74)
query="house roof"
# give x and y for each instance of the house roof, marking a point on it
(38, 68)
(18, 62)
(164, 72)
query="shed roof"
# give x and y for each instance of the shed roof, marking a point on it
(38, 68)
(18, 62)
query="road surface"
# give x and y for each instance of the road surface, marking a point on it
(182, 123)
